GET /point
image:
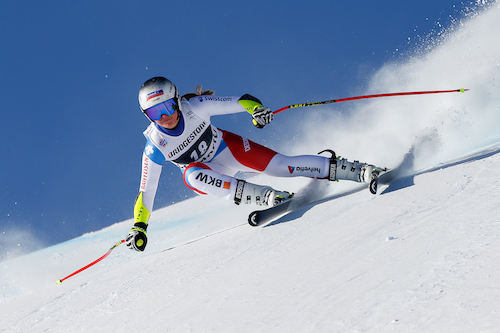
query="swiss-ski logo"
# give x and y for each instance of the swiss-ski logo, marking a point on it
(149, 150)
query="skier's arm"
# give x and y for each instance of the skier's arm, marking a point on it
(152, 160)
(219, 105)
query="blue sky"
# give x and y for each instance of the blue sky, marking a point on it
(71, 129)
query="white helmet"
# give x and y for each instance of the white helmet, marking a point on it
(156, 91)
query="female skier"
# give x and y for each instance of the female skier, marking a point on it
(181, 132)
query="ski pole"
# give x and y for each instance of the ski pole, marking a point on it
(368, 96)
(93, 263)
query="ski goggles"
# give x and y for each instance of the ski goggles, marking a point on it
(168, 107)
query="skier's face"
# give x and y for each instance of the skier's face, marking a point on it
(169, 122)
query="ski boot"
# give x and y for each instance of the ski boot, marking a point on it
(258, 194)
(273, 197)
(341, 169)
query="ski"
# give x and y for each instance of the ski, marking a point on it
(383, 177)
(387, 176)
(264, 216)
(260, 217)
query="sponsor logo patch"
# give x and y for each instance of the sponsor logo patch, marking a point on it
(145, 171)
(154, 94)
(292, 169)
(218, 99)
(191, 138)
(246, 145)
(209, 180)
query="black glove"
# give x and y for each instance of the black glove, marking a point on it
(262, 116)
(136, 239)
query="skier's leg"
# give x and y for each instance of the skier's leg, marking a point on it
(244, 155)
(298, 166)
(203, 180)
(248, 156)
(320, 167)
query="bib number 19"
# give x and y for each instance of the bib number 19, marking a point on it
(202, 148)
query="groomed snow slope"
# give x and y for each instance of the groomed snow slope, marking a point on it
(421, 256)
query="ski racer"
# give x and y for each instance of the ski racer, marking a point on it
(180, 132)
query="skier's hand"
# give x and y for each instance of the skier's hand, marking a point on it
(262, 116)
(136, 239)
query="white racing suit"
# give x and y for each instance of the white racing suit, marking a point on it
(210, 157)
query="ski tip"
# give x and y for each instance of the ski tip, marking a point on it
(253, 219)
(59, 281)
(462, 90)
(373, 186)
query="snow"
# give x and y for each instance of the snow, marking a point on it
(420, 256)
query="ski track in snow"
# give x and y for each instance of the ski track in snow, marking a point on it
(421, 256)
